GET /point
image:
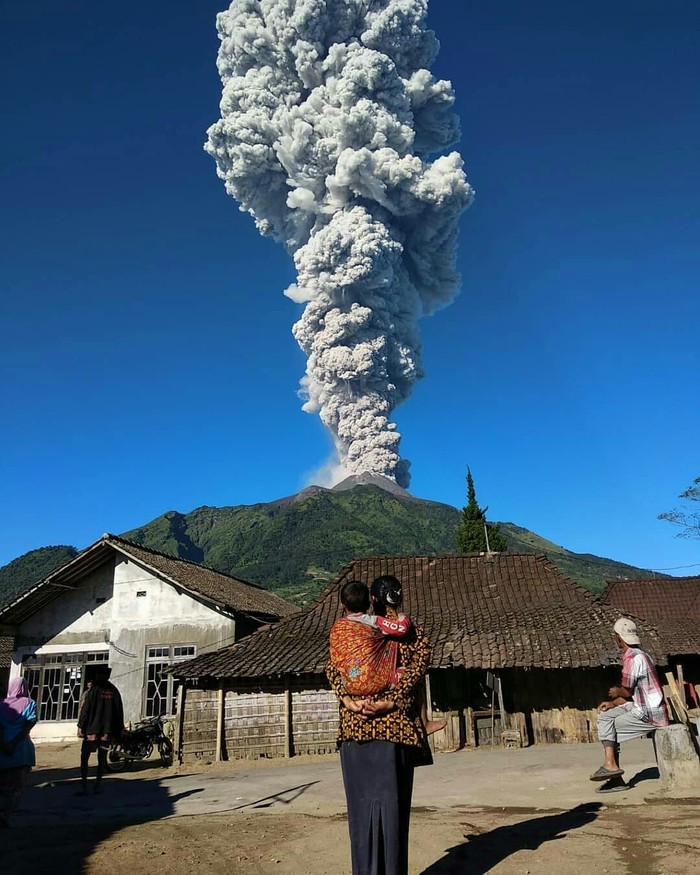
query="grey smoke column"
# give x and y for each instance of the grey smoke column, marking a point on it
(329, 116)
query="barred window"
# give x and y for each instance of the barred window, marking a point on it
(57, 681)
(160, 694)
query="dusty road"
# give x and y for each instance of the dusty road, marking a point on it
(506, 812)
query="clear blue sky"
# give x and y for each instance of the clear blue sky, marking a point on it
(147, 361)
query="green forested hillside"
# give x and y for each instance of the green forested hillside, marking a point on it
(296, 544)
(26, 570)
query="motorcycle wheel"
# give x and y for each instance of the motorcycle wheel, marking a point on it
(166, 752)
(116, 761)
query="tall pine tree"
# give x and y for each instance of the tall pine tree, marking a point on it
(470, 535)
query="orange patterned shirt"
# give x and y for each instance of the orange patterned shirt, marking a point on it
(403, 725)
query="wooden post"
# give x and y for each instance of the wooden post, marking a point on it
(220, 713)
(681, 685)
(287, 718)
(428, 696)
(675, 699)
(501, 706)
(179, 721)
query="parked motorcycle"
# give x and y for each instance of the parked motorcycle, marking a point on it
(138, 744)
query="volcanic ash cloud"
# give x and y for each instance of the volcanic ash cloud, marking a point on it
(329, 118)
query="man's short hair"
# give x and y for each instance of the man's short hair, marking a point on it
(355, 597)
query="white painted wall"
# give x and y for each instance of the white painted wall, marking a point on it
(125, 624)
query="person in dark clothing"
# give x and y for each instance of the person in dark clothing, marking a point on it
(381, 741)
(101, 721)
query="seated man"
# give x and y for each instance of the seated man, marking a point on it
(635, 708)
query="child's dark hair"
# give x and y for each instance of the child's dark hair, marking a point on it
(355, 597)
(387, 590)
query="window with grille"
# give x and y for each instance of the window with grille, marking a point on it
(57, 681)
(161, 687)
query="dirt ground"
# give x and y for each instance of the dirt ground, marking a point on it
(654, 837)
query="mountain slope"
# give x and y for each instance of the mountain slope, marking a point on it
(296, 544)
(291, 543)
(23, 572)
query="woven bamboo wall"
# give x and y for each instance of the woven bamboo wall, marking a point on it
(254, 720)
(547, 706)
(315, 723)
(254, 723)
(199, 724)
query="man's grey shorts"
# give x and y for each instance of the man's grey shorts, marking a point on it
(621, 724)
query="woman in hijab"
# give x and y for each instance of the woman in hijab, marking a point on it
(17, 719)
(381, 740)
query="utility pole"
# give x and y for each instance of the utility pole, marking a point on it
(486, 535)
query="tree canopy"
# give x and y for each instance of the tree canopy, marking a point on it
(688, 516)
(473, 528)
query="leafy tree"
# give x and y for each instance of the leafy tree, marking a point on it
(687, 517)
(471, 537)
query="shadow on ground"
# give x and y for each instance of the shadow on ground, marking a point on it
(43, 777)
(55, 830)
(71, 827)
(482, 851)
(650, 774)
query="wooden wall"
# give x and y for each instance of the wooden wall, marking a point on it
(554, 706)
(546, 706)
(256, 717)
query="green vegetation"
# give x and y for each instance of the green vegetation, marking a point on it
(295, 546)
(473, 528)
(23, 572)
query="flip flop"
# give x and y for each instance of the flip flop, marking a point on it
(602, 774)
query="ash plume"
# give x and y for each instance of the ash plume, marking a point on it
(329, 119)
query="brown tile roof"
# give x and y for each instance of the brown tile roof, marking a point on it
(225, 591)
(230, 592)
(7, 645)
(672, 604)
(497, 611)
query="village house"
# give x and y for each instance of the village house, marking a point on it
(672, 604)
(517, 647)
(134, 610)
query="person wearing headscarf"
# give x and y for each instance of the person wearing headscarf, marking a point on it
(381, 740)
(18, 717)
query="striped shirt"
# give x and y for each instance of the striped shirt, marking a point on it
(639, 676)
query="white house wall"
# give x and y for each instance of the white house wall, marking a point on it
(126, 623)
(165, 615)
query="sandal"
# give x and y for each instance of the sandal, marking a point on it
(602, 774)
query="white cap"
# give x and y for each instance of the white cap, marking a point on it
(627, 630)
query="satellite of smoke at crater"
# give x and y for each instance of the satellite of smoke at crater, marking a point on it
(329, 119)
